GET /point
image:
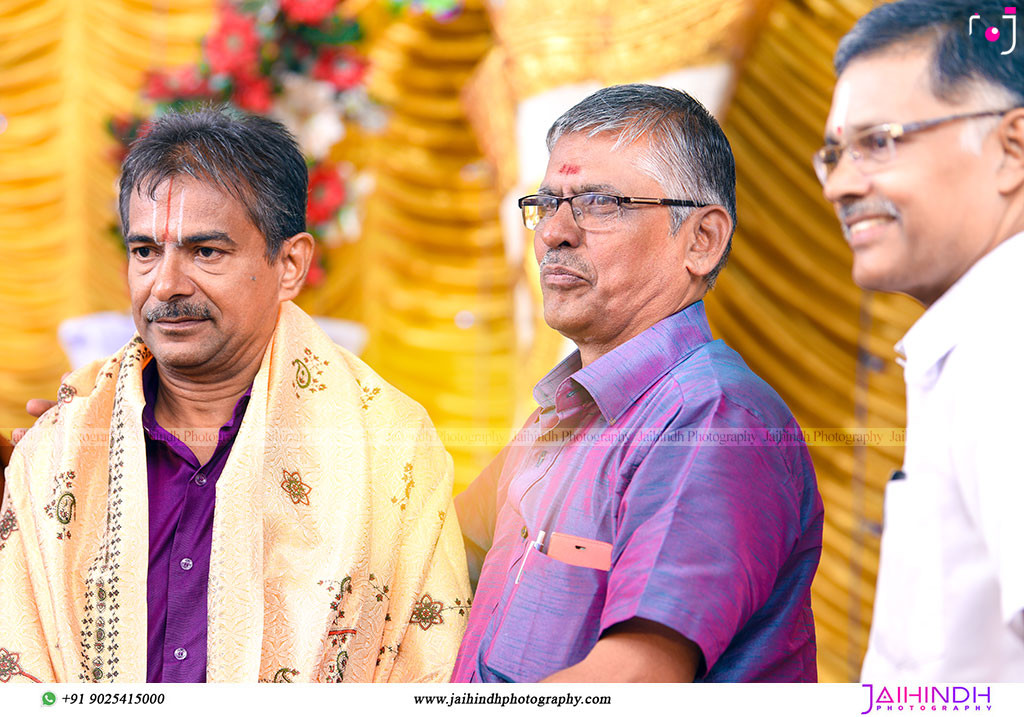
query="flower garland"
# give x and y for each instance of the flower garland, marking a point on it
(297, 61)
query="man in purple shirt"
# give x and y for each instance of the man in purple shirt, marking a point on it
(207, 327)
(259, 459)
(198, 386)
(657, 519)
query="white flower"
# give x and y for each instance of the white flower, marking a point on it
(348, 225)
(359, 107)
(309, 108)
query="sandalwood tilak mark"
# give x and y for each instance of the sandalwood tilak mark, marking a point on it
(167, 219)
(181, 213)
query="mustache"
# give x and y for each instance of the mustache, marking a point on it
(179, 310)
(867, 206)
(862, 208)
(567, 259)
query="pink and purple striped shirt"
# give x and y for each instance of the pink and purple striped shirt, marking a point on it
(652, 484)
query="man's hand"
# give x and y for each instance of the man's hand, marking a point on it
(637, 650)
(5, 456)
(36, 407)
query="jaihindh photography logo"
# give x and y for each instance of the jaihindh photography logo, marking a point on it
(927, 698)
(992, 33)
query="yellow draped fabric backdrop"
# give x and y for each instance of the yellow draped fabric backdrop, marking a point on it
(438, 289)
(66, 66)
(432, 277)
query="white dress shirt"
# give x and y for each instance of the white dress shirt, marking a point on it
(951, 573)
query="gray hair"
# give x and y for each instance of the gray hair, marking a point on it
(253, 159)
(687, 153)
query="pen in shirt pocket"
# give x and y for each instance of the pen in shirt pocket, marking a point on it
(537, 544)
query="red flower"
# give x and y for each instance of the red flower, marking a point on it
(326, 194)
(316, 274)
(125, 129)
(252, 94)
(234, 46)
(308, 12)
(342, 67)
(181, 83)
(155, 87)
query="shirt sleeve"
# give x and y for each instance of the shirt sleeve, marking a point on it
(703, 529)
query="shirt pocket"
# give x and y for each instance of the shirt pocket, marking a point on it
(552, 620)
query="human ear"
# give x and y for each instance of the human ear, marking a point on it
(1010, 175)
(708, 234)
(294, 258)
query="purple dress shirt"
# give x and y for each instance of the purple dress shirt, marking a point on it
(663, 492)
(181, 503)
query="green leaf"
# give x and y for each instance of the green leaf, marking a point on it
(251, 7)
(334, 32)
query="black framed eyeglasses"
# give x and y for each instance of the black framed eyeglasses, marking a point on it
(590, 210)
(873, 147)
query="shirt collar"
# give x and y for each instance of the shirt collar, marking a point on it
(940, 328)
(616, 380)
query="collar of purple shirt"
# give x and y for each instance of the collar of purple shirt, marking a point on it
(182, 497)
(617, 379)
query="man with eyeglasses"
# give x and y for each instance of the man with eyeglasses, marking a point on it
(924, 163)
(657, 518)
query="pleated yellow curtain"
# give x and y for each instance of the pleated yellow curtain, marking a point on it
(438, 289)
(67, 66)
(540, 46)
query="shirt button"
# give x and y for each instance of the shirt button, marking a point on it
(525, 533)
(181, 653)
(186, 564)
(200, 479)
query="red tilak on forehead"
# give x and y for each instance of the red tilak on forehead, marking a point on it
(167, 221)
(569, 169)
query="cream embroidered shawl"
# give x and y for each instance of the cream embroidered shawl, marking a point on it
(336, 551)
